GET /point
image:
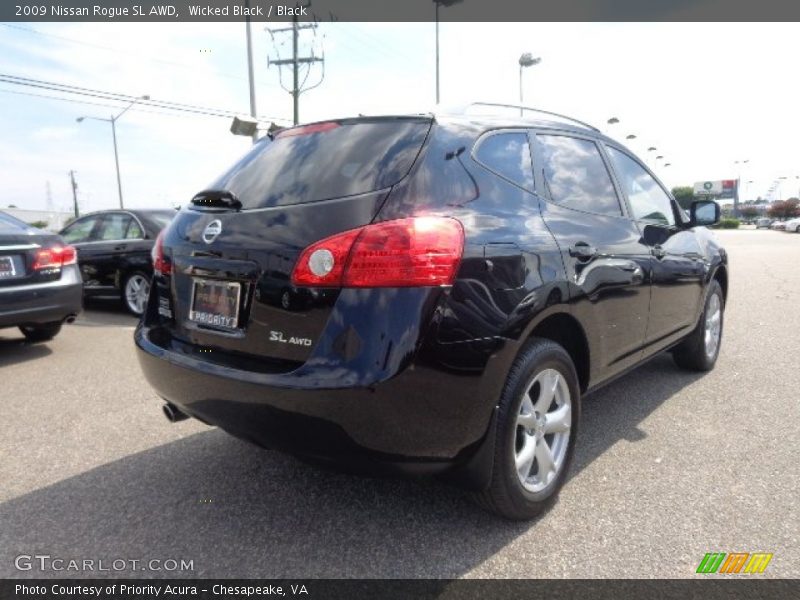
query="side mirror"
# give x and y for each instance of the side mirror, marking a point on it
(704, 213)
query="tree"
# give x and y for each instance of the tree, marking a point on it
(784, 209)
(39, 224)
(12, 206)
(749, 212)
(684, 195)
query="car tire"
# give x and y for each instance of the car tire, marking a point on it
(135, 290)
(530, 414)
(700, 350)
(41, 333)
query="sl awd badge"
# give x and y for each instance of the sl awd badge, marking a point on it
(277, 336)
(212, 230)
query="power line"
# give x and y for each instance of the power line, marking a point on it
(101, 104)
(117, 97)
(73, 89)
(117, 50)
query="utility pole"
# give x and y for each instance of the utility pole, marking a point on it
(74, 193)
(297, 86)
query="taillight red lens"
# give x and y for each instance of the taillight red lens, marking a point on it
(54, 257)
(420, 251)
(161, 264)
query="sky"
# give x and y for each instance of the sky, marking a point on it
(704, 94)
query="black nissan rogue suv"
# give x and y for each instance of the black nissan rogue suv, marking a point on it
(428, 294)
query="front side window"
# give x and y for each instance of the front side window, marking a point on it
(576, 176)
(79, 231)
(649, 202)
(508, 155)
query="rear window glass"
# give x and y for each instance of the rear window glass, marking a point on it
(322, 161)
(9, 224)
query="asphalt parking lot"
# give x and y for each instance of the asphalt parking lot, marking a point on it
(669, 465)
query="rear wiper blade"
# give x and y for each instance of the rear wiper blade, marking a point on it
(217, 199)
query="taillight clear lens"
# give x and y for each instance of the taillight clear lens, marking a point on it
(420, 251)
(330, 253)
(54, 257)
(160, 263)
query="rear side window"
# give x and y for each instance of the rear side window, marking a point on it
(649, 202)
(134, 231)
(325, 160)
(114, 227)
(576, 176)
(508, 155)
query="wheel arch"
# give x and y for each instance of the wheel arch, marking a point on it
(564, 329)
(721, 276)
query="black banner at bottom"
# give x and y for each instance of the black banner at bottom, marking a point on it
(391, 589)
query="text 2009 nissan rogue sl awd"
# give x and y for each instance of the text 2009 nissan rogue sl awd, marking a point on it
(428, 294)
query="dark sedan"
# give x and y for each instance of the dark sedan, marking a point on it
(40, 285)
(114, 252)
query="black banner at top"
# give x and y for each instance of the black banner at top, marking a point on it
(399, 10)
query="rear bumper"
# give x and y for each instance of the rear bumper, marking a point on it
(42, 303)
(421, 419)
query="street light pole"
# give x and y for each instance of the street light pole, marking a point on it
(113, 121)
(116, 158)
(438, 3)
(526, 60)
(738, 184)
(612, 121)
(437, 53)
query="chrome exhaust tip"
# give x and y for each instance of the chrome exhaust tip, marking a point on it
(173, 414)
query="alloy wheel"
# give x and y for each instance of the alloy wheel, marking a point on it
(713, 325)
(542, 430)
(137, 288)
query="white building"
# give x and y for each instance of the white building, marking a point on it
(55, 219)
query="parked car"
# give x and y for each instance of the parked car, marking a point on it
(40, 285)
(763, 223)
(480, 276)
(114, 249)
(793, 225)
(778, 225)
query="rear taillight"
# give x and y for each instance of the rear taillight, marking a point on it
(161, 264)
(420, 251)
(54, 257)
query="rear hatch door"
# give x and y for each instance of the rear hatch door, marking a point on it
(234, 248)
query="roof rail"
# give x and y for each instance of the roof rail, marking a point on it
(465, 107)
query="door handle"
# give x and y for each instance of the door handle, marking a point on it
(658, 251)
(582, 251)
(121, 247)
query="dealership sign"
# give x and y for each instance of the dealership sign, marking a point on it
(718, 189)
